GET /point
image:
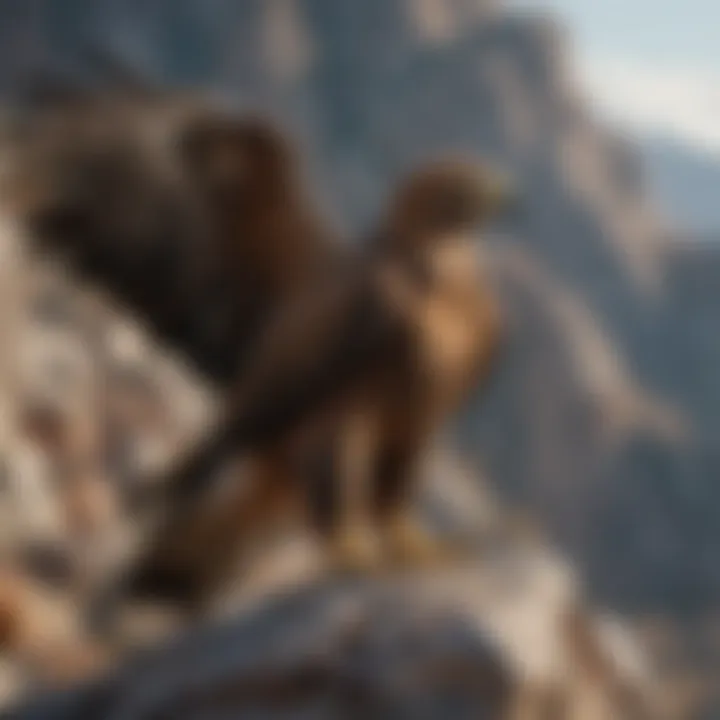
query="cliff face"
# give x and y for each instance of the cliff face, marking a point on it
(604, 416)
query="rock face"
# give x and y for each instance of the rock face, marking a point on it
(502, 639)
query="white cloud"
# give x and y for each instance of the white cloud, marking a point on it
(679, 101)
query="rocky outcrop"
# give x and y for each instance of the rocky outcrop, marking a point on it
(366, 651)
(505, 637)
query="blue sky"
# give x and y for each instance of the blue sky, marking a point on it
(653, 65)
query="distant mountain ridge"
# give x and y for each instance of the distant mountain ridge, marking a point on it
(686, 181)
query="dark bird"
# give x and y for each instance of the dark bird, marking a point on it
(346, 390)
